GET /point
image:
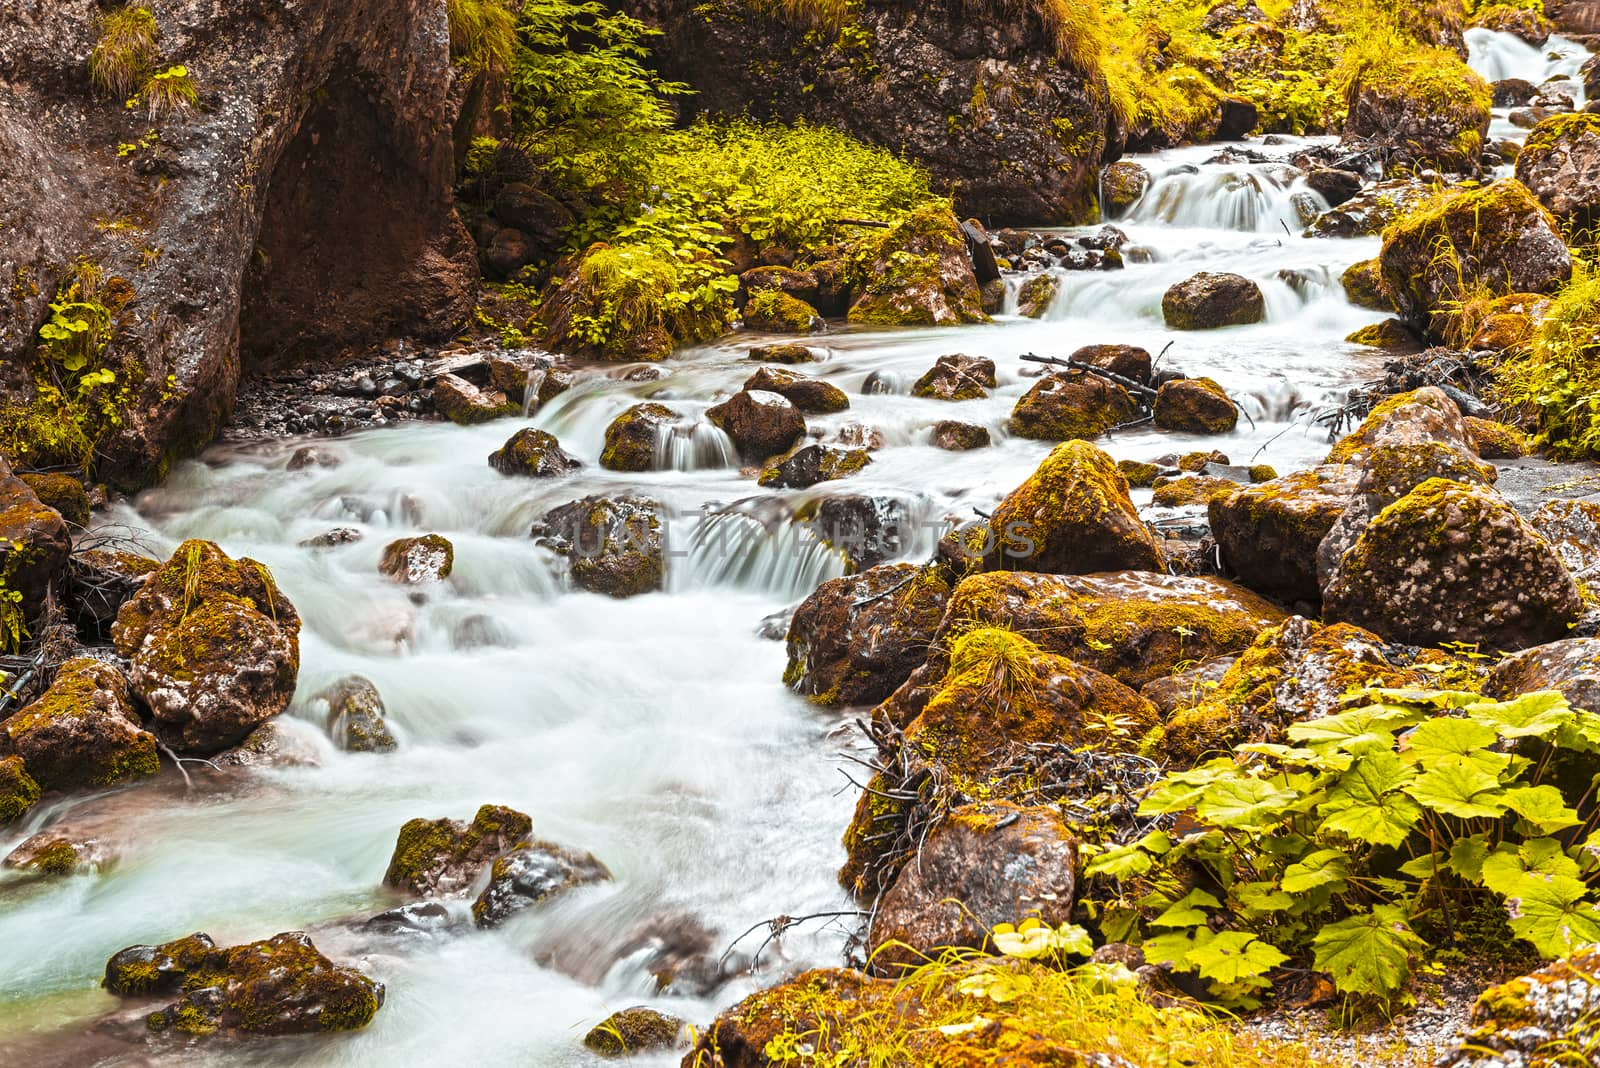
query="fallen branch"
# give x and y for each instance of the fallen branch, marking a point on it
(1088, 368)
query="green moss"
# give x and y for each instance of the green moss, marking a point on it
(1551, 132)
(1363, 285)
(636, 1030)
(1262, 473)
(900, 275)
(777, 312)
(1496, 441)
(1389, 334)
(425, 846)
(630, 443)
(1139, 475)
(1191, 490)
(1070, 407)
(18, 791)
(63, 493)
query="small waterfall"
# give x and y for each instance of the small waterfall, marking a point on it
(695, 446)
(1498, 56)
(768, 554)
(530, 391)
(1255, 199)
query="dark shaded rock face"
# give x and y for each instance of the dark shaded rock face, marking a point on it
(1002, 149)
(303, 205)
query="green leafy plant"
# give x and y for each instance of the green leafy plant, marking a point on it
(1555, 379)
(1409, 810)
(169, 91)
(13, 624)
(483, 33)
(125, 53)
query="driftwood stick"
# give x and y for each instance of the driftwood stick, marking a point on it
(1088, 368)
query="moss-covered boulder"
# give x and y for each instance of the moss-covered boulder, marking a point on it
(1190, 490)
(98, 582)
(1572, 529)
(636, 1030)
(1037, 293)
(1421, 107)
(355, 717)
(279, 986)
(52, 854)
(1495, 239)
(468, 405)
(1195, 406)
(917, 273)
(1496, 441)
(1560, 164)
(854, 640)
(1570, 666)
(1363, 286)
(1268, 533)
(1453, 562)
(612, 545)
(1416, 418)
(1293, 672)
(1121, 186)
(955, 436)
(532, 453)
(64, 493)
(811, 395)
(529, 873)
(956, 377)
(83, 731)
(986, 864)
(1370, 211)
(786, 353)
(444, 857)
(34, 545)
(776, 312)
(811, 464)
(213, 646)
(1127, 361)
(1072, 516)
(1209, 300)
(1532, 1021)
(18, 790)
(419, 561)
(1390, 334)
(1140, 475)
(633, 440)
(761, 424)
(803, 285)
(1062, 407)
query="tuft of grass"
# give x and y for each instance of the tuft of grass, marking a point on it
(1555, 382)
(125, 53)
(483, 33)
(169, 91)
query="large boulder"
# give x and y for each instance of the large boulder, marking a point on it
(529, 873)
(1011, 113)
(1061, 407)
(956, 377)
(34, 544)
(985, 865)
(761, 424)
(82, 731)
(1531, 1022)
(1195, 406)
(1453, 562)
(445, 857)
(279, 986)
(1570, 666)
(918, 274)
(856, 639)
(1560, 164)
(613, 545)
(533, 454)
(1073, 515)
(1422, 107)
(306, 205)
(1497, 239)
(213, 648)
(1209, 300)
(1420, 417)
(1269, 533)
(811, 395)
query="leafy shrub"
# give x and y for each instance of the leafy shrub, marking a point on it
(125, 53)
(168, 91)
(483, 33)
(1556, 379)
(1415, 807)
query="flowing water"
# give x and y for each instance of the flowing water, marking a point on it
(655, 731)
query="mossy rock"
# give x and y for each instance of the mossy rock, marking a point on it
(810, 464)
(1072, 515)
(529, 873)
(1196, 462)
(1210, 300)
(98, 582)
(1363, 286)
(636, 1030)
(776, 312)
(1268, 533)
(917, 273)
(1423, 107)
(761, 424)
(355, 718)
(63, 493)
(1064, 407)
(784, 353)
(465, 404)
(1195, 406)
(811, 395)
(56, 855)
(1140, 475)
(83, 731)
(425, 559)
(444, 857)
(1036, 294)
(1532, 1020)
(954, 436)
(1121, 186)
(956, 377)
(213, 645)
(613, 545)
(1128, 361)
(1389, 334)
(533, 453)
(1262, 473)
(1559, 164)
(141, 971)
(1191, 490)
(18, 790)
(1492, 240)
(1454, 562)
(1415, 418)
(633, 438)
(34, 543)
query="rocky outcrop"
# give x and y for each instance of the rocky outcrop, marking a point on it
(1560, 163)
(1209, 300)
(1420, 108)
(956, 377)
(1529, 1022)
(1570, 666)
(918, 273)
(1061, 407)
(279, 986)
(1420, 417)
(304, 203)
(636, 1030)
(761, 424)
(533, 454)
(444, 857)
(1573, 530)
(83, 731)
(213, 648)
(613, 545)
(1010, 111)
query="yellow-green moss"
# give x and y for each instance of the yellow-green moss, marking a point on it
(1139, 475)
(1262, 473)
(1389, 334)
(777, 312)
(1496, 441)
(630, 443)
(1363, 286)
(18, 791)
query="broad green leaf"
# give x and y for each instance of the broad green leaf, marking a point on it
(1120, 862)
(1504, 868)
(1457, 787)
(1235, 955)
(1244, 803)
(1262, 898)
(1440, 739)
(1532, 715)
(1174, 948)
(1358, 731)
(1365, 804)
(1467, 856)
(1169, 796)
(1187, 912)
(1542, 806)
(1553, 912)
(1325, 867)
(1297, 756)
(1425, 866)
(1369, 953)
(1429, 698)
